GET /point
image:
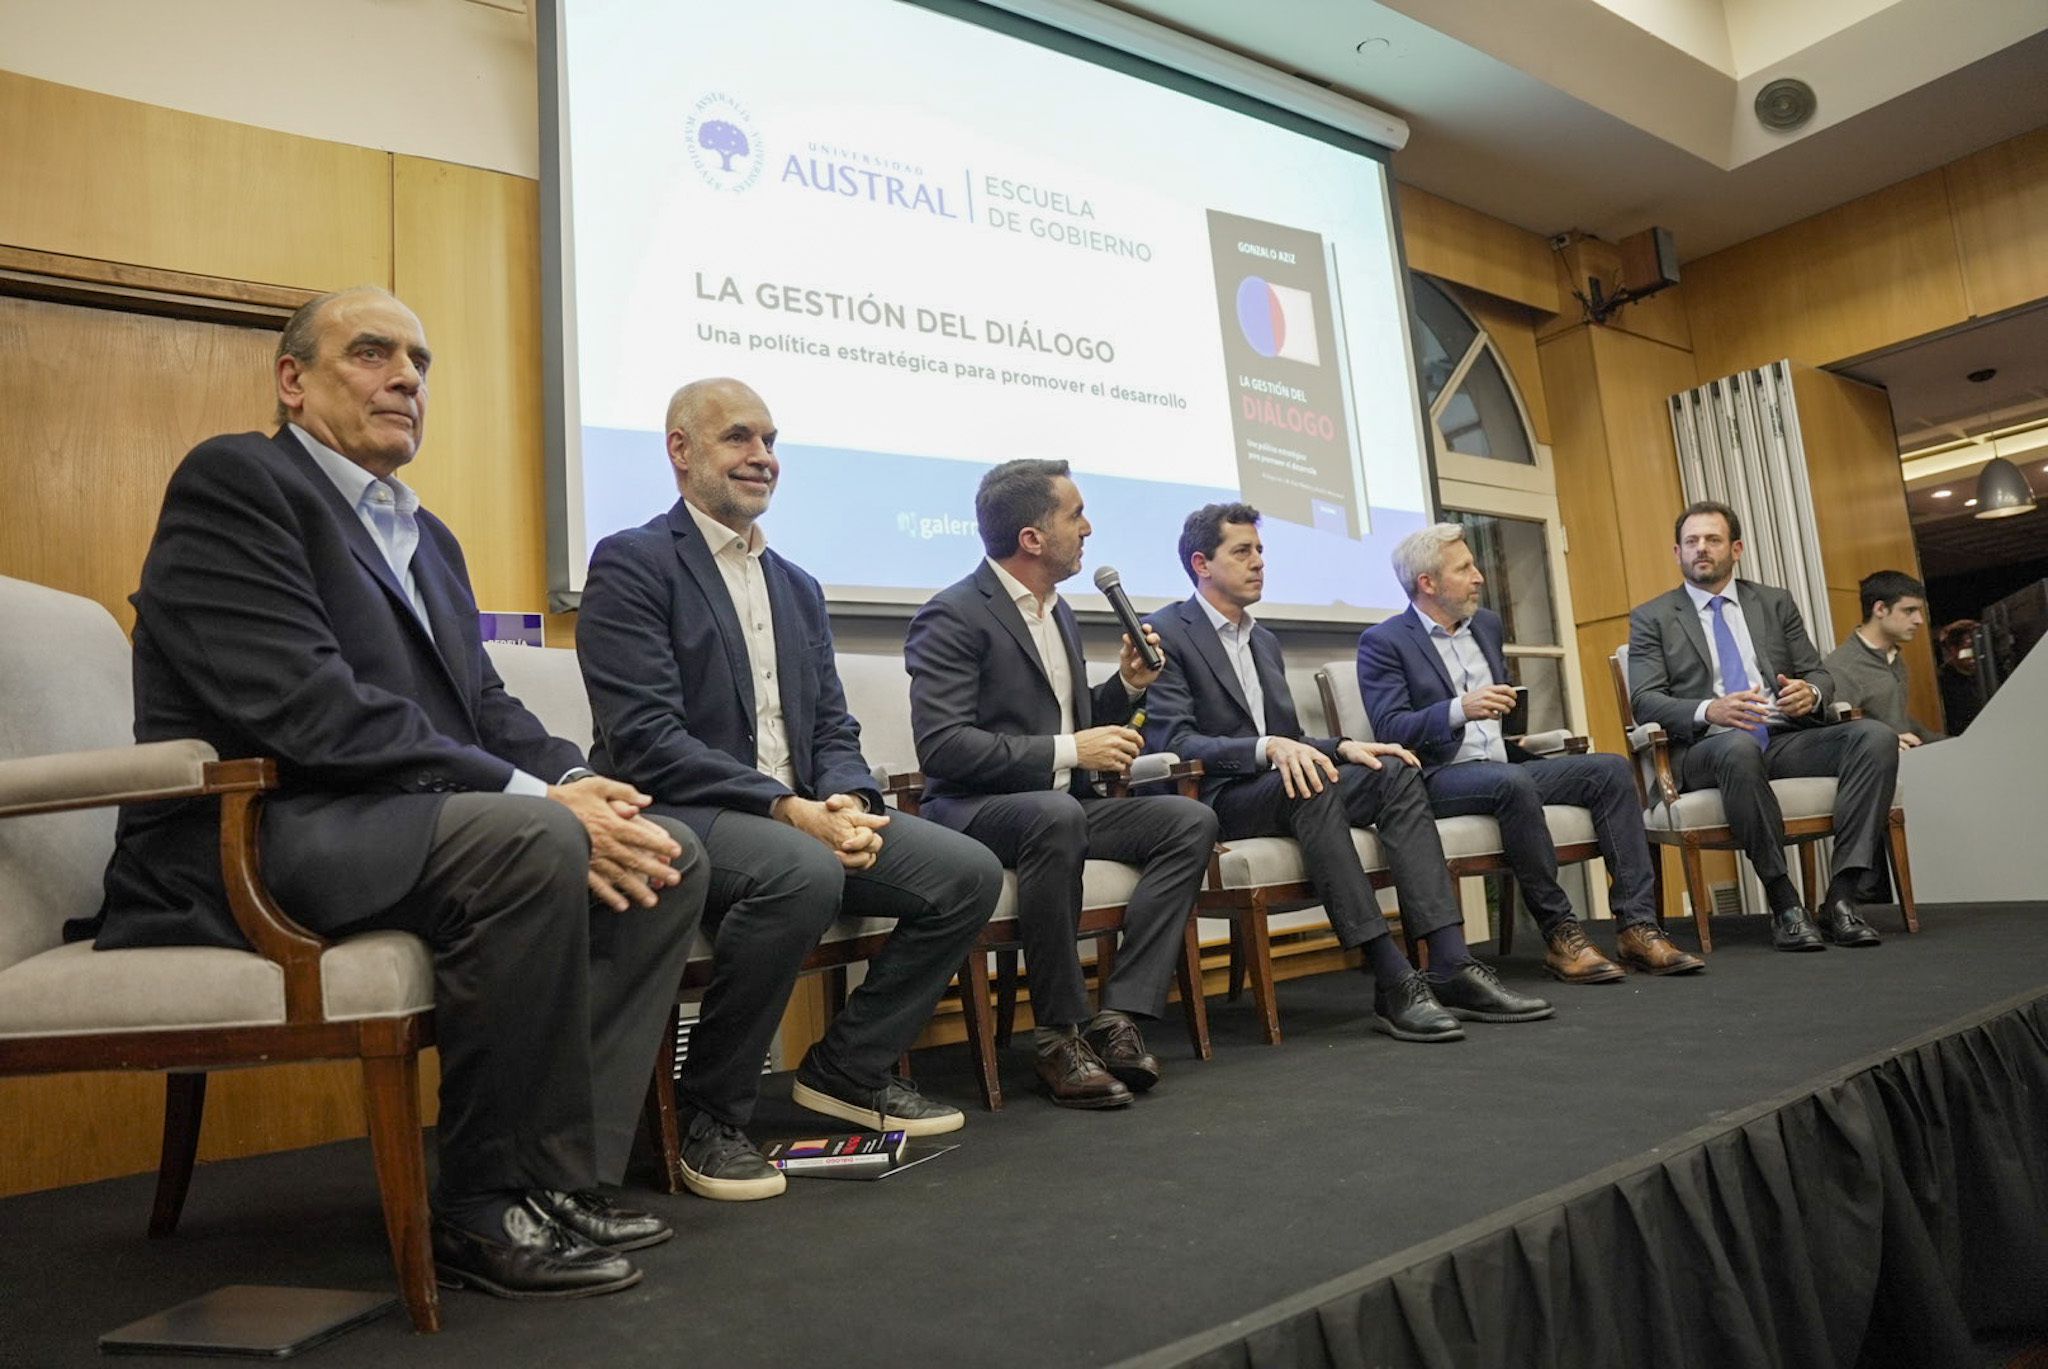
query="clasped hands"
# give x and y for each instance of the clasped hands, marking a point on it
(841, 821)
(631, 859)
(1748, 708)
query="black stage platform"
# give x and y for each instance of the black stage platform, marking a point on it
(1817, 1159)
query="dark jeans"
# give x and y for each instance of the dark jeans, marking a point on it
(774, 893)
(1390, 799)
(1513, 795)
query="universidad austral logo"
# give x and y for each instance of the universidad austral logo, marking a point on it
(724, 142)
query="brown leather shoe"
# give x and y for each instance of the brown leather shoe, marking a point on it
(1074, 1077)
(1643, 946)
(1576, 960)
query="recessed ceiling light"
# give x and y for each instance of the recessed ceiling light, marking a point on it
(1969, 503)
(1375, 47)
(1942, 494)
(1979, 377)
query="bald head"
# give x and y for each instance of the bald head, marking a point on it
(721, 442)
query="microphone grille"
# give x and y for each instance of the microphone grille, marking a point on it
(1106, 578)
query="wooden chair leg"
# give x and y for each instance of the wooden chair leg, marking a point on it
(981, 1028)
(1507, 914)
(1702, 900)
(1258, 948)
(1657, 882)
(184, 1107)
(391, 1098)
(1192, 1000)
(1902, 870)
(658, 1118)
(1006, 993)
(1234, 986)
(1809, 875)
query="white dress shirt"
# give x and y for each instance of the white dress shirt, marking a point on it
(1466, 664)
(739, 564)
(1731, 613)
(1236, 639)
(1052, 655)
(389, 508)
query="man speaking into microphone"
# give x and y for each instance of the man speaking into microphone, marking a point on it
(1015, 746)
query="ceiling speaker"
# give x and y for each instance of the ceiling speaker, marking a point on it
(1785, 104)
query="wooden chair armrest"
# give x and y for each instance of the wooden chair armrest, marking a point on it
(1557, 742)
(111, 775)
(241, 785)
(1159, 767)
(904, 788)
(1652, 737)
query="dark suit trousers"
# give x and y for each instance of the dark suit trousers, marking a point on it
(1514, 794)
(774, 892)
(1862, 756)
(1046, 836)
(1391, 799)
(548, 1007)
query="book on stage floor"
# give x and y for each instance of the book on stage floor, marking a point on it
(859, 1155)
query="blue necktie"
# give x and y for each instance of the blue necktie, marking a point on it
(1728, 655)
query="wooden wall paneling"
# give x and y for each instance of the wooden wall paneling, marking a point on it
(466, 257)
(101, 406)
(1637, 377)
(1872, 272)
(1471, 248)
(94, 176)
(1585, 487)
(1859, 488)
(1512, 327)
(2000, 200)
(1597, 641)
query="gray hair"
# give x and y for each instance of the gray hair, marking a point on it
(300, 339)
(1422, 552)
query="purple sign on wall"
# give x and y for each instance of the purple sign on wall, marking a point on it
(515, 629)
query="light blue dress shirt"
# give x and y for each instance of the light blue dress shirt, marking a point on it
(1466, 664)
(1237, 646)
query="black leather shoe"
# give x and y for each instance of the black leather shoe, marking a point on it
(1410, 1012)
(1122, 1052)
(539, 1258)
(1840, 923)
(895, 1106)
(1792, 931)
(1473, 992)
(1073, 1076)
(601, 1221)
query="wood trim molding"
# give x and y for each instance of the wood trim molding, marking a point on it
(146, 290)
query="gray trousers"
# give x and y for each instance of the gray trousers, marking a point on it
(1862, 756)
(548, 1006)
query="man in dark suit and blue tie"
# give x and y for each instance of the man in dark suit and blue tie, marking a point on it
(708, 657)
(297, 602)
(1435, 677)
(1012, 741)
(1726, 668)
(1223, 700)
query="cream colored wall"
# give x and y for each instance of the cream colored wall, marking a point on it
(451, 80)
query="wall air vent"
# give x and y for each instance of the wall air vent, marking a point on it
(1785, 104)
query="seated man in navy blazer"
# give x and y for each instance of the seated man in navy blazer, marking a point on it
(1012, 741)
(1434, 677)
(1223, 700)
(297, 602)
(1725, 667)
(708, 657)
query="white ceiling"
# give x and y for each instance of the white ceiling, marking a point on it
(1611, 116)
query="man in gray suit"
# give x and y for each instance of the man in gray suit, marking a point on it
(1726, 668)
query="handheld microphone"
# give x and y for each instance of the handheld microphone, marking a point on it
(1112, 586)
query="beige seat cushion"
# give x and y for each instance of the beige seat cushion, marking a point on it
(1701, 808)
(1254, 862)
(75, 990)
(1104, 884)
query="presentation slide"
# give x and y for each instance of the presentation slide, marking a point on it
(932, 247)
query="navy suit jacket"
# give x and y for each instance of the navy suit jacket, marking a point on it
(1408, 692)
(981, 706)
(268, 623)
(1197, 709)
(671, 694)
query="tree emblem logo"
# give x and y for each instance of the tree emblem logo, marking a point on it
(724, 143)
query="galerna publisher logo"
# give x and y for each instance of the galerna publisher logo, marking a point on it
(724, 143)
